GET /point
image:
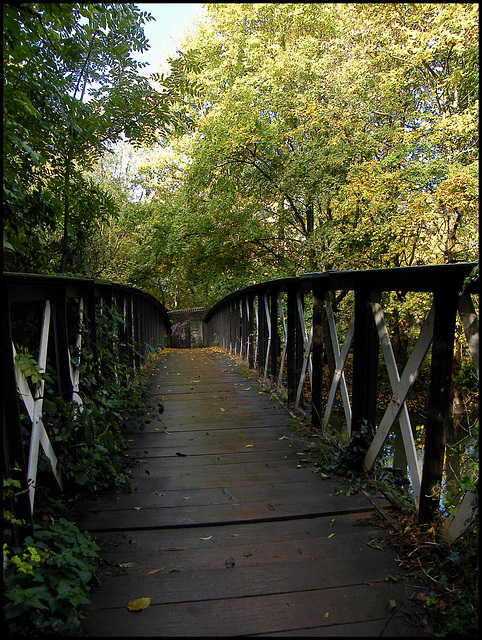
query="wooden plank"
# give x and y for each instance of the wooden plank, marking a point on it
(248, 615)
(258, 569)
(249, 495)
(160, 516)
(218, 440)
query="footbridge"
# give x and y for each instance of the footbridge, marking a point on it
(231, 527)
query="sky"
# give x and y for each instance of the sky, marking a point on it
(171, 19)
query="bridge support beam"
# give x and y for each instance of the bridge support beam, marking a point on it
(365, 371)
(439, 397)
(317, 357)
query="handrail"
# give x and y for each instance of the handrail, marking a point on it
(265, 324)
(143, 323)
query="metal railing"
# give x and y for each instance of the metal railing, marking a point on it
(55, 316)
(286, 329)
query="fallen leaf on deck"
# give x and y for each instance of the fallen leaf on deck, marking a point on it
(138, 605)
(127, 564)
(187, 498)
(326, 615)
(320, 473)
(137, 508)
(373, 545)
(391, 605)
(248, 445)
(155, 571)
(208, 538)
(331, 535)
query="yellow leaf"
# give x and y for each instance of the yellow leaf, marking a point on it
(326, 614)
(331, 535)
(138, 605)
(208, 538)
(155, 571)
(248, 445)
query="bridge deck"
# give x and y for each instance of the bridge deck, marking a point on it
(226, 532)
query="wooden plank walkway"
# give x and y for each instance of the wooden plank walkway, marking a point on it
(226, 533)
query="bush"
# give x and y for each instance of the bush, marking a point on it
(46, 579)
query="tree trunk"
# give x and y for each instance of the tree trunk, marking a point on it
(65, 238)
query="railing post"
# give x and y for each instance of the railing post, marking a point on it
(365, 368)
(439, 396)
(240, 329)
(232, 326)
(262, 332)
(250, 329)
(90, 325)
(244, 328)
(273, 369)
(13, 450)
(299, 349)
(317, 357)
(136, 302)
(291, 322)
(129, 329)
(123, 328)
(62, 356)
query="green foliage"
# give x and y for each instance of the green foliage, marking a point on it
(88, 438)
(451, 575)
(28, 366)
(71, 89)
(301, 137)
(47, 579)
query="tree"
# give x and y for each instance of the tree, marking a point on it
(336, 126)
(71, 90)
